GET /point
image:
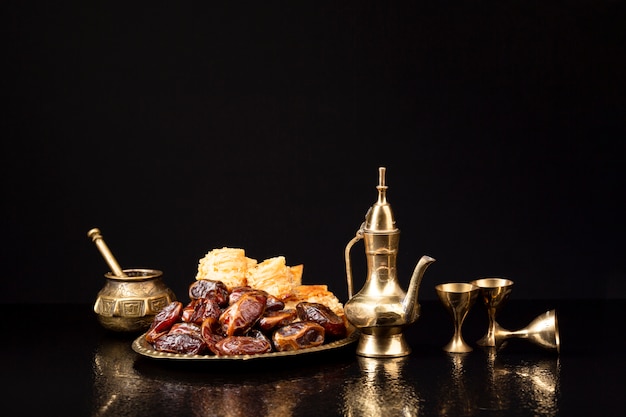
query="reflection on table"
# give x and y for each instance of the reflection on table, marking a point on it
(520, 379)
(535, 384)
(380, 390)
(467, 384)
(495, 383)
(122, 383)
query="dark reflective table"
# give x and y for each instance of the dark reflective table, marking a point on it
(57, 360)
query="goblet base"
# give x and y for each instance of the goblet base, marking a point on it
(486, 341)
(457, 345)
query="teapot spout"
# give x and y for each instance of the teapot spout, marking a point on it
(410, 304)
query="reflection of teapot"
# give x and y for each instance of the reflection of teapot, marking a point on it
(381, 309)
(380, 390)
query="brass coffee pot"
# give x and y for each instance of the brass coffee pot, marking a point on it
(381, 310)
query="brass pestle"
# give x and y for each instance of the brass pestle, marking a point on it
(96, 237)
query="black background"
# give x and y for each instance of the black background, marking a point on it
(182, 127)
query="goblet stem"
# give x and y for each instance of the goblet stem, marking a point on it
(457, 298)
(457, 344)
(495, 292)
(489, 339)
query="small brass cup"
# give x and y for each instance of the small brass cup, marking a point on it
(458, 298)
(495, 292)
(542, 331)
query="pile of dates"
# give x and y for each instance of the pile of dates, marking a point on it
(241, 321)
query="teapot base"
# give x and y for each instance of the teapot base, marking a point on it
(382, 345)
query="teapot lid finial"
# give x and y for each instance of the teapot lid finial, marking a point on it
(379, 218)
(381, 187)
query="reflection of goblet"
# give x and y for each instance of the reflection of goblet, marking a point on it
(457, 298)
(494, 291)
(456, 397)
(532, 385)
(542, 331)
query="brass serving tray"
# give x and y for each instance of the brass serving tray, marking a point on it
(145, 349)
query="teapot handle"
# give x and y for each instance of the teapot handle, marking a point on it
(355, 239)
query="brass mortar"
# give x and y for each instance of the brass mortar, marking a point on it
(129, 303)
(130, 298)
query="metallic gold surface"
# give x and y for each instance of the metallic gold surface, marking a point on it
(494, 292)
(130, 298)
(381, 309)
(95, 235)
(458, 298)
(543, 331)
(129, 303)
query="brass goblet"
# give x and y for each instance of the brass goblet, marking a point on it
(543, 331)
(495, 292)
(457, 298)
